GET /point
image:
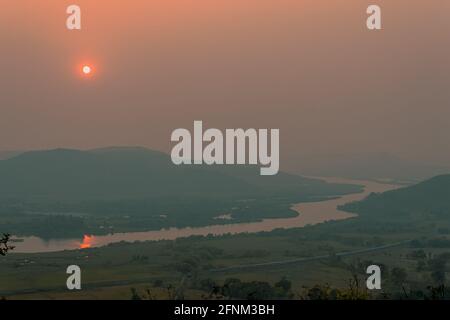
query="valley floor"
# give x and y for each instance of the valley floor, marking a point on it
(191, 268)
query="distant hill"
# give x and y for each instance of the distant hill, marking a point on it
(68, 193)
(429, 197)
(139, 173)
(9, 154)
(381, 166)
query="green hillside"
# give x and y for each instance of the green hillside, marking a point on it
(62, 193)
(431, 197)
(137, 173)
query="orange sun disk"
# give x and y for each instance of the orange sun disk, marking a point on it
(87, 69)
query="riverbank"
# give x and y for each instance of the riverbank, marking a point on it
(309, 213)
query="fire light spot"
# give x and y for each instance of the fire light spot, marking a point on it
(87, 242)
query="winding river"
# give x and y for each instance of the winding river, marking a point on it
(310, 213)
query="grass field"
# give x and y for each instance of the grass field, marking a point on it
(111, 272)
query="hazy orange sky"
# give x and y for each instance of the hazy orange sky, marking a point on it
(308, 67)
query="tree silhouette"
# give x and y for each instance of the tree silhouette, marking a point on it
(398, 276)
(4, 246)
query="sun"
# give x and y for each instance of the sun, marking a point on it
(87, 70)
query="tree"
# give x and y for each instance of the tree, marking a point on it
(438, 268)
(399, 276)
(284, 284)
(354, 291)
(4, 246)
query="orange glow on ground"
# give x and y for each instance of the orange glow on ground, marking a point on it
(87, 242)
